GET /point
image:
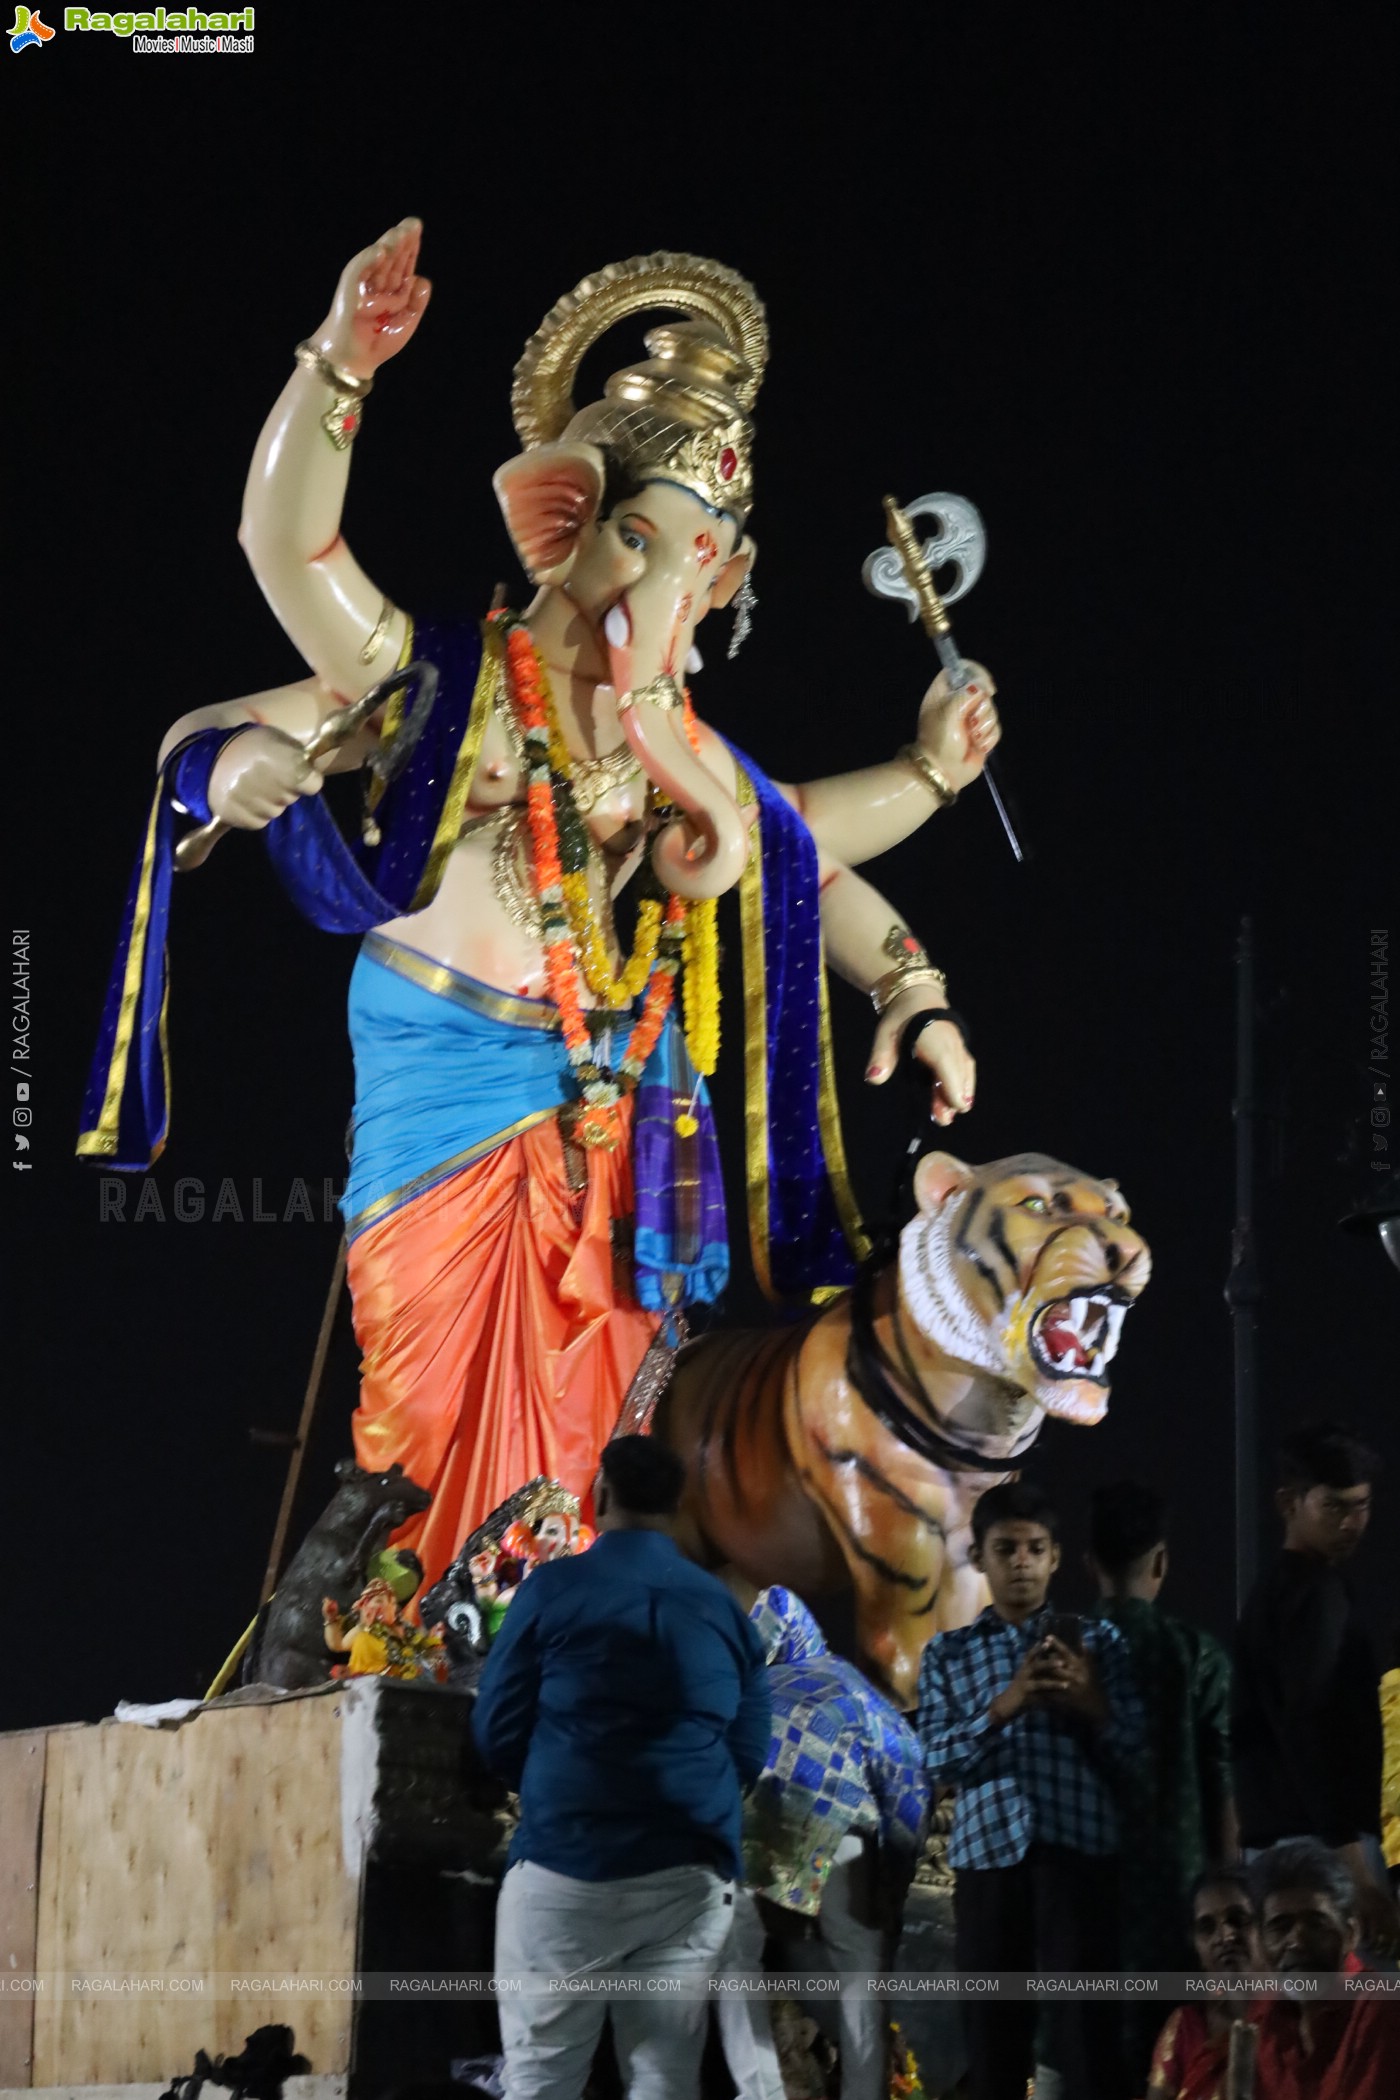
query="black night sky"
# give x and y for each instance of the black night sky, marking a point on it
(1116, 282)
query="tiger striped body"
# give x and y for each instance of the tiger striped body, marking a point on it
(1019, 1274)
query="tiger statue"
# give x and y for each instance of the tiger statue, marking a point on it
(848, 1452)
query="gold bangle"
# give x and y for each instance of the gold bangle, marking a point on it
(662, 692)
(914, 755)
(376, 640)
(311, 360)
(896, 982)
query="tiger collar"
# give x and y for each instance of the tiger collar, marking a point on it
(868, 1370)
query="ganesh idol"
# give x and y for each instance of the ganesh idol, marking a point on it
(534, 1188)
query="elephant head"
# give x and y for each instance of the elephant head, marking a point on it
(640, 566)
(633, 510)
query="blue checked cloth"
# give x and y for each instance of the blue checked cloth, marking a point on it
(840, 1759)
(1045, 1778)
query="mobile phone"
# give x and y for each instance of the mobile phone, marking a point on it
(1065, 1628)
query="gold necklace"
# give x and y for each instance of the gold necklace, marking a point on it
(512, 891)
(592, 778)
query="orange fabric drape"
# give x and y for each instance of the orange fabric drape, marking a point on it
(496, 1342)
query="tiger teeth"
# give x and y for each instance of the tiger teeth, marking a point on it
(1095, 1324)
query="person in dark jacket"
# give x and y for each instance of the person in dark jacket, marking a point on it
(625, 1699)
(1306, 1725)
(1175, 1799)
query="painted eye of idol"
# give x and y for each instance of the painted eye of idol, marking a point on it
(633, 533)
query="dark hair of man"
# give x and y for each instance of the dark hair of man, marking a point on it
(1323, 1454)
(644, 1476)
(1224, 1877)
(1302, 1863)
(1126, 1522)
(1014, 1502)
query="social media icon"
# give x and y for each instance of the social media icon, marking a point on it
(24, 1115)
(21, 1143)
(1378, 1090)
(21, 1090)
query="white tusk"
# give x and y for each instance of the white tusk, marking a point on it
(694, 661)
(617, 627)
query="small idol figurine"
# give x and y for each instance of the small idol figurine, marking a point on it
(374, 1634)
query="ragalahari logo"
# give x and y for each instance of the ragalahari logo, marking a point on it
(28, 30)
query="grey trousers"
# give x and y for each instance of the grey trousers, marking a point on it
(659, 1934)
(847, 1943)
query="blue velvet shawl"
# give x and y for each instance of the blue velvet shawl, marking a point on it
(803, 1223)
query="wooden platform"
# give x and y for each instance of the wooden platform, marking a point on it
(154, 1864)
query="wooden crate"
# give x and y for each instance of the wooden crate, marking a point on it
(241, 1841)
(22, 1762)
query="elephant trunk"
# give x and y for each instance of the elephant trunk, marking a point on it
(702, 852)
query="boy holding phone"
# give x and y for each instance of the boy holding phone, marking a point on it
(1030, 1715)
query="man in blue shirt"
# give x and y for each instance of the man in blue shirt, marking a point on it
(1030, 1716)
(625, 1700)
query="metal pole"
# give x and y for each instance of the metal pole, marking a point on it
(308, 1410)
(1243, 1290)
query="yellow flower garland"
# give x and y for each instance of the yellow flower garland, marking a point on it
(700, 947)
(631, 980)
(700, 990)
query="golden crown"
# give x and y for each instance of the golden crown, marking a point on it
(681, 416)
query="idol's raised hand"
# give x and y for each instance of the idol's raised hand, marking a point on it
(959, 731)
(378, 303)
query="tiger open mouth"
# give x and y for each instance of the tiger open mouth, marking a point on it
(1077, 1337)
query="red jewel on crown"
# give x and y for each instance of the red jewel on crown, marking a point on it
(728, 461)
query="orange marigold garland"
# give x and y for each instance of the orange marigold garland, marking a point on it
(595, 1122)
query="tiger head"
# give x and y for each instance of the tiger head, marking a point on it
(1023, 1270)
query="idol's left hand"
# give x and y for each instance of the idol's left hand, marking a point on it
(960, 730)
(937, 1044)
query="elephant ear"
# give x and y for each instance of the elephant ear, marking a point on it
(548, 495)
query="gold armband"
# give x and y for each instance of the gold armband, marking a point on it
(342, 419)
(663, 692)
(915, 756)
(911, 967)
(896, 982)
(377, 633)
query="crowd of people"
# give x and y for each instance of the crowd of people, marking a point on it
(703, 1785)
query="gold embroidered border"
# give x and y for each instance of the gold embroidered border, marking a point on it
(102, 1142)
(755, 1047)
(446, 983)
(393, 713)
(833, 1143)
(373, 1213)
(488, 684)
